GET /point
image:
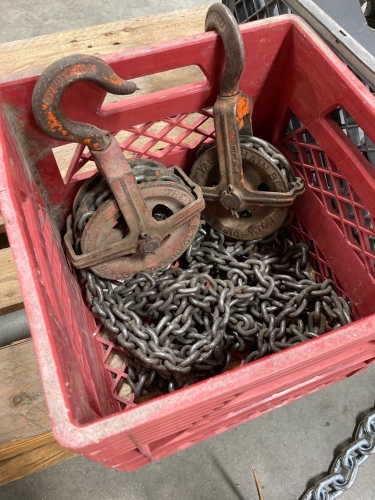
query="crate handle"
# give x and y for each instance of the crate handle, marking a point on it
(220, 19)
(50, 88)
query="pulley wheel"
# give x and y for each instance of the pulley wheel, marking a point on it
(98, 221)
(261, 174)
(143, 169)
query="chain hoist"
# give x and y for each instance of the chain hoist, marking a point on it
(181, 324)
(247, 184)
(138, 227)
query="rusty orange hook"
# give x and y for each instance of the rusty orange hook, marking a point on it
(50, 87)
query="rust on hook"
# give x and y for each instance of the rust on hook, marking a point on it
(50, 88)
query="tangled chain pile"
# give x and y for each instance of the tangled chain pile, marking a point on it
(180, 325)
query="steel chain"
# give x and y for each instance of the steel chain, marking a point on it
(274, 155)
(179, 325)
(344, 470)
(250, 298)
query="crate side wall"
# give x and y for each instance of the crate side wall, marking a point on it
(60, 302)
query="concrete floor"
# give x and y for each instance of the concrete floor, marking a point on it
(288, 447)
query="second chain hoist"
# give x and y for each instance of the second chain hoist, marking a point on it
(247, 184)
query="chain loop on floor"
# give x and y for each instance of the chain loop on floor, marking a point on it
(344, 470)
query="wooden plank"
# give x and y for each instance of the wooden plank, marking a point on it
(30, 455)
(38, 52)
(16, 448)
(10, 292)
(26, 442)
(23, 411)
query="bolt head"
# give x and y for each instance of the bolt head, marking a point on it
(148, 246)
(230, 201)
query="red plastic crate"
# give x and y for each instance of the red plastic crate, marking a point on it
(299, 87)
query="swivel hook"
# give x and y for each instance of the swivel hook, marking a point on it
(50, 88)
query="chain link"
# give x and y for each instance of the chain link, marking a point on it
(344, 470)
(274, 155)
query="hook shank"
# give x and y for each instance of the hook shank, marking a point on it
(220, 19)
